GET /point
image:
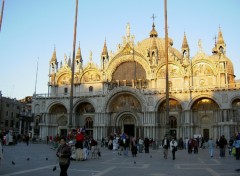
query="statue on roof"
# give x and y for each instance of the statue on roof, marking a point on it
(128, 30)
(200, 45)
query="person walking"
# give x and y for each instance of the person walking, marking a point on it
(173, 147)
(222, 146)
(64, 154)
(126, 145)
(165, 145)
(211, 145)
(27, 139)
(236, 144)
(134, 147)
(146, 144)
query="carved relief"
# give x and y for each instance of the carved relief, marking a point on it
(202, 69)
(64, 79)
(125, 102)
(224, 98)
(91, 76)
(85, 108)
(173, 71)
(150, 101)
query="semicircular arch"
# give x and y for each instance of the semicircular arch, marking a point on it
(203, 96)
(57, 106)
(128, 58)
(132, 93)
(82, 101)
(173, 101)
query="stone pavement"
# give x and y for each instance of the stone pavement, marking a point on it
(42, 159)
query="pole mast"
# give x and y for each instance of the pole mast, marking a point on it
(73, 62)
(35, 90)
(166, 56)
(1, 17)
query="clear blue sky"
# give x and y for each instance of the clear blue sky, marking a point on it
(31, 29)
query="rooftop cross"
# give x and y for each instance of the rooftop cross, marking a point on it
(153, 17)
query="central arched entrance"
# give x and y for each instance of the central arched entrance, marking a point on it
(127, 123)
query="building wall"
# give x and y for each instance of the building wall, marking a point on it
(118, 97)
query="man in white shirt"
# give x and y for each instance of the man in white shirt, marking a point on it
(173, 147)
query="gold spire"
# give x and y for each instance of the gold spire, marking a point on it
(79, 55)
(185, 43)
(220, 37)
(54, 55)
(105, 52)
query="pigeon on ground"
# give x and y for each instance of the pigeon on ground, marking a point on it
(54, 168)
(151, 156)
(13, 163)
(46, 158)
(237, 170)
(134, 162)
(28, 159)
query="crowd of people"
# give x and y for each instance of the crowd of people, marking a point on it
(81, 147)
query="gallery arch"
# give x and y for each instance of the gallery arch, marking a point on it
(170, 124)
(84, 115)
(205, 115)
(236, 115)
(124, 109)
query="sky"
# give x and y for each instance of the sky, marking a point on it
(32, 28)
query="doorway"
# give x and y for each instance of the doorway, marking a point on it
(206, 134)
(63, 132)
(129, 129)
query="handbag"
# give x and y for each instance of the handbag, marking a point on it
(63, 161)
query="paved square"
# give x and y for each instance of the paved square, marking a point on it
(42, 159)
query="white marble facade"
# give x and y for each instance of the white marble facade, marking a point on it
(127, 92)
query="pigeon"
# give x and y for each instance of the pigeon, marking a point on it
(28, 159)
(151, 156)
(13, 163)
(237, 170)
(46, 158)
(134, 162)
(54, 168)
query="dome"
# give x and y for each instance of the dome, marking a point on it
(216, 58)
(230, 69)
(144, 46)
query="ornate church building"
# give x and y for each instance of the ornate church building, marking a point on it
(127, 93)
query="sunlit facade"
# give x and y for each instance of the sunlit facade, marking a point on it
(127, 92)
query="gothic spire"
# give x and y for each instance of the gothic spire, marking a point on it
(185, 43)
(105, 51)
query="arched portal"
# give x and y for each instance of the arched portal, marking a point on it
(124, 109)
(127, 124)
(58, 115)
(84, 115)
(204, 111)
(170, 123)
(236, 116)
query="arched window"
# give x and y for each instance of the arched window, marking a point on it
(89, 126)
(65, 90)
(90, 88)
(89, 123)
(173, 122)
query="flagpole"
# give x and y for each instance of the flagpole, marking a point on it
(73, 59)
(35, 90)
(1, 15)
(166, 57)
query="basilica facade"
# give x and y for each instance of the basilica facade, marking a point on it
(127, 92)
